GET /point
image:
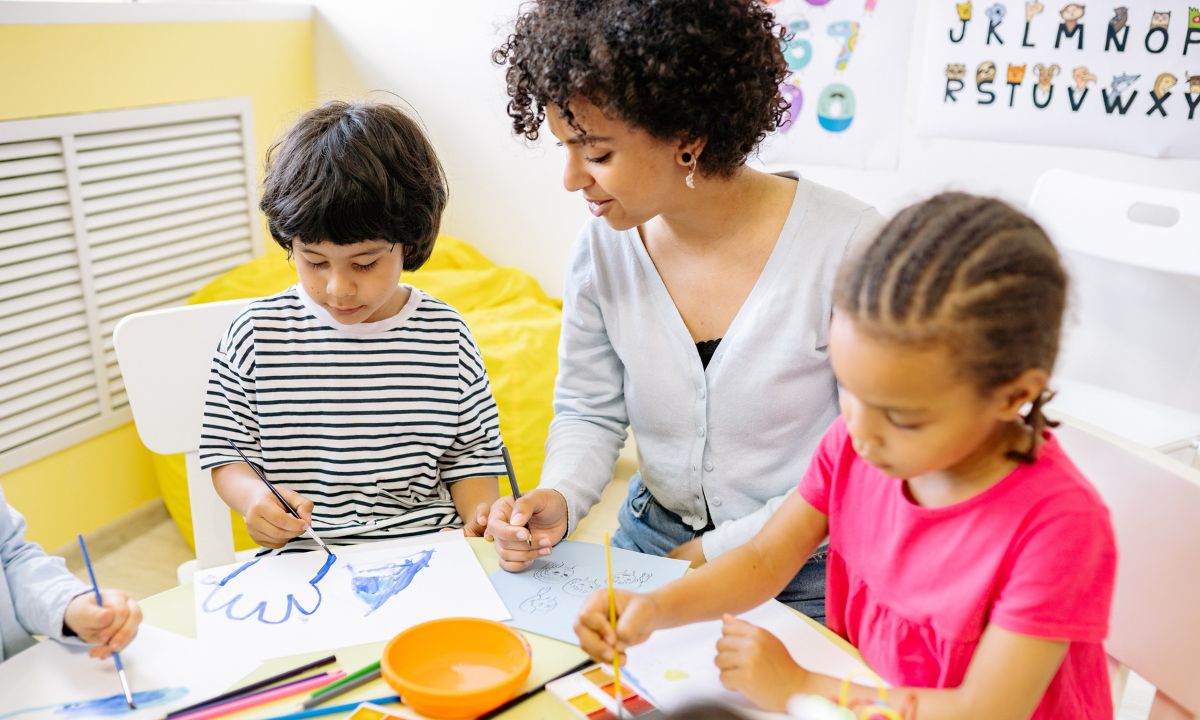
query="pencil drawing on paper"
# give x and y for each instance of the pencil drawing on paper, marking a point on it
(554, 572)
(627, 578)
(375, 584)
(543, 603)
(582, 587)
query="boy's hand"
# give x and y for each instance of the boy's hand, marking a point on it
(477, 524)
(527, 529)
(109, 628)
(270, 525)
(637, 617)
(755, 663)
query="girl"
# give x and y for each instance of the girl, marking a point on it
(696, 309)
(968, 559)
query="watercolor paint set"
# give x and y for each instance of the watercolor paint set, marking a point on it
(591, 694)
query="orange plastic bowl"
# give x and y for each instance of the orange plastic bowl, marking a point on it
(456, 667)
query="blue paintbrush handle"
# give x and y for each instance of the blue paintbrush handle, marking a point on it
(87, 560)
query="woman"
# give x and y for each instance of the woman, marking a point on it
(697, 303)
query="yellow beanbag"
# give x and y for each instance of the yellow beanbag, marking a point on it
(515, 324)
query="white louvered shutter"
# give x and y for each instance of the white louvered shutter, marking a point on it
(102, 215)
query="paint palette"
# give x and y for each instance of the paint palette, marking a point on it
(369, 711)
(591, 694)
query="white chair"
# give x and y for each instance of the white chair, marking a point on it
(1131, 353)
(165, 357)
(1155, 505)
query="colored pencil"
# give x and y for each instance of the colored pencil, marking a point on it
(100, 603)
(534, 691)
(358, 678)
(286, 505)
(334, 709)
(254, 686)
(612, 618)
(262, 698)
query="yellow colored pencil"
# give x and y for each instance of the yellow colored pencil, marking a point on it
(612, 618)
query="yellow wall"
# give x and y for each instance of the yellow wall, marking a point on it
(61, 69)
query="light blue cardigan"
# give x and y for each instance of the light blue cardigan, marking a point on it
(727, 442)
(34, 587)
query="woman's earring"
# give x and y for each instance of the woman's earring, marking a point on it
(690, 180)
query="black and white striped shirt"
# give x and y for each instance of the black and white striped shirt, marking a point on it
(370, 421)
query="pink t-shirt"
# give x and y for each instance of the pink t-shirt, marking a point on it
(913, 588)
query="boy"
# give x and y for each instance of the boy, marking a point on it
(364, 401)
(38, 596)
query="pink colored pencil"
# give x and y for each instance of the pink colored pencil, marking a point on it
(263, 698)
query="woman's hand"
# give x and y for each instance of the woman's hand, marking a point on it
(527, 529)
(110, 628)
(637, 617)
(755, 663)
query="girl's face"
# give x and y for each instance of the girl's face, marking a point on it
(356, 283)
(910, 412)
(626, 175)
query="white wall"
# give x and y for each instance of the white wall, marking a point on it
(506, 197)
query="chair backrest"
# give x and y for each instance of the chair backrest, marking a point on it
(1155, 506)
(165, 358)
(1134, 257)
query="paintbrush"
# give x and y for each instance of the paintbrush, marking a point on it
(612, 618)
(512, 483)
(286, 506)
(100, 602)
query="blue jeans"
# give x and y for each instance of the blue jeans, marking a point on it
(647, 527)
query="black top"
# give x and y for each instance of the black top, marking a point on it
(706, 348)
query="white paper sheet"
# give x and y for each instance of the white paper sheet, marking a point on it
(289, 604)
(675, 667)
(165, 671)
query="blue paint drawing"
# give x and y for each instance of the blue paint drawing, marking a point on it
(376, 584)
(110, 706)
(234, 607)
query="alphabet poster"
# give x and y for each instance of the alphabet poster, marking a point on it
(848, 62)
(1110, 75)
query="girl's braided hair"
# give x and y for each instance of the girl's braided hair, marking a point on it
(970, 273)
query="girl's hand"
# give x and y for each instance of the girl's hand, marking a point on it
(110, 628)
(755, 663)
(637, 617)
(270, 525)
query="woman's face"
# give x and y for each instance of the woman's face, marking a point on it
(626, 175)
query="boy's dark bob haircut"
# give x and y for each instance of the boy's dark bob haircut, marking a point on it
(348, 172)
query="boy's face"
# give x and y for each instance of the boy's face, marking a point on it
(356, 283)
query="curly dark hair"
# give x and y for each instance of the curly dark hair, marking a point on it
(348, 172)
(695, 69)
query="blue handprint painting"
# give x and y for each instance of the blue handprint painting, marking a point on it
(274, 609)
(285, 604)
